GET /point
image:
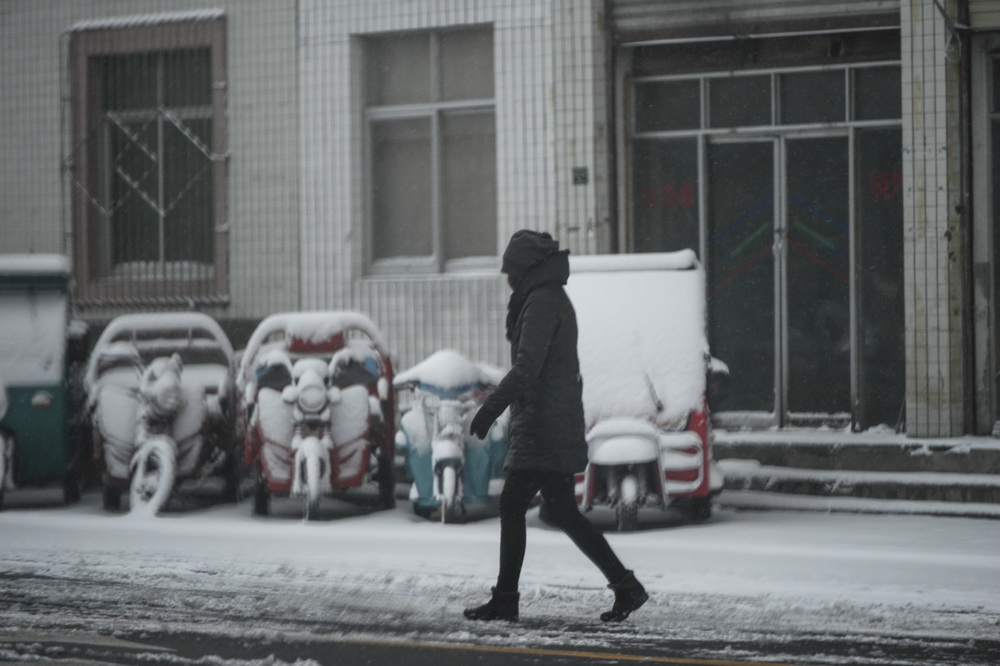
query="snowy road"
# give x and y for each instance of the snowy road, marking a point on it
(780, 587)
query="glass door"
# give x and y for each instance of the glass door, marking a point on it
(779, 274)
(816, 289)
(741, 270)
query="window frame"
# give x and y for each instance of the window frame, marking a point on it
(850, 125)
(96, 282)
(706, 132)
(433, 111)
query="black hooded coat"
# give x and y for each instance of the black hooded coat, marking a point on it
(543, 387)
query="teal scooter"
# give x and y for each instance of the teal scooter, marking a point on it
(453, 473)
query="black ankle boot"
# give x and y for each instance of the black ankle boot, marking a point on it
(502, 606)
(629, 596)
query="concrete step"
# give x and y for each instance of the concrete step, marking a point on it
(825, 449)
(919, 486)
(873, 471)
(756, 500)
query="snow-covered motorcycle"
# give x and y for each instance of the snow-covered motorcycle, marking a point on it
(312, 401)
(159, 426)
(322, 415)
(143, 430)
(451, 470)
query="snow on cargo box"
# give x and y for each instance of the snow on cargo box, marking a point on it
(34, 312)
(642, 336)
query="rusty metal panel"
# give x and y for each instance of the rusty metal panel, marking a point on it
(651, 20)
(984, 14)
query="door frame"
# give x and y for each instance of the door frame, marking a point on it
(985, 54)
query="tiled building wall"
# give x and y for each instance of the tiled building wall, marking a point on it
(580, 119)
(30, 69)
(262, 138)
(934, 261)
(544, 53)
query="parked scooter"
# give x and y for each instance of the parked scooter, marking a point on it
(624, 467)
(316, 407)
(451, 470)
(158, 427)
(145, 431)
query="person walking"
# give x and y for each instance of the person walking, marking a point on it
(547, 447)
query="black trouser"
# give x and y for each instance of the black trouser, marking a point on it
(561, 509)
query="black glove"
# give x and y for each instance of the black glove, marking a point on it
(481, 422)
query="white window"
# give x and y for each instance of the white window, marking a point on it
(431, 148)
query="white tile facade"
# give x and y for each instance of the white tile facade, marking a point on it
(262, 139)
(296, 202)
(934, 262)
(549, 90)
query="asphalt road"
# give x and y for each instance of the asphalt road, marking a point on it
(349, 634)
(74, 648)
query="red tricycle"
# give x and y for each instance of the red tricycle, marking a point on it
(646, 368)
(317, 409)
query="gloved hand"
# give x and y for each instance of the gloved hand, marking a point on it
(481, 422)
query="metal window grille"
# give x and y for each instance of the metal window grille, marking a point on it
(147, 164)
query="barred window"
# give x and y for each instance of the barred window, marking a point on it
(148, 163)
(431, 137)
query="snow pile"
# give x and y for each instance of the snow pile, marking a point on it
(448, 369)
(32, 337)
(278, 330)
(137, 20)
(642, 339)
(33, 264)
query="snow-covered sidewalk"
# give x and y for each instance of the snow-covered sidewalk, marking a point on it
(740, 572)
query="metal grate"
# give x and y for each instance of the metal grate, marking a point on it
(147, 164)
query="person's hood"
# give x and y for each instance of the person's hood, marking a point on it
(525, 249)
(550, 269)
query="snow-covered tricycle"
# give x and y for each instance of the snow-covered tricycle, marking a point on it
(452, 471)
(39, 405)
(160, 399)
(317, 409)
(645, 361)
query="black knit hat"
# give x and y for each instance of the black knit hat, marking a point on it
(525, 249)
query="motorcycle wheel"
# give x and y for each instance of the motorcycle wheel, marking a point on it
(311, 508)
(261, 498)
(111, 499)
(153, 478)
(386, 479)
(701, 508)
(628, 503)
(423, 511)
(232, 469)
(3, 467)
(72, 487)
(449, 487)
